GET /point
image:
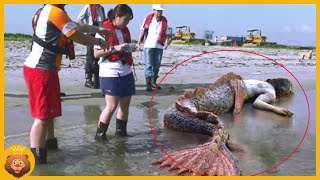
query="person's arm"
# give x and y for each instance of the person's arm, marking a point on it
(166, 43)
(75, 31)
(167, 40)
(112, 49)
(84, 28)
(141, 34)
(87, 40)
(265, 94)
(99, 52)
(262, 102)
(140, 37)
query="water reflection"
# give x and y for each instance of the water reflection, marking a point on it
(91, 113)
(267, 139)
(154, 114)
(112, 158)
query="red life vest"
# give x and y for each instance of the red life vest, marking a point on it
(164, 22)
(94, 13)
(112, 40)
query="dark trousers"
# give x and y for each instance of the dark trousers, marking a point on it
(91, 65)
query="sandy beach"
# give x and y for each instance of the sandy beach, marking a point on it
(191, 73)
(194, 66)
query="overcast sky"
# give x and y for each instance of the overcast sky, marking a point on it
(285, 24)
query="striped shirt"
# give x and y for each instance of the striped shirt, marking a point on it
(54, 26)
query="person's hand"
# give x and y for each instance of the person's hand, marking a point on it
(284, 112)
(120, 47)
(103, 32)
(138, 49)
(103, 44)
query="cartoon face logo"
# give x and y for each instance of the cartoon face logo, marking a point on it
(19, 160)
(17, 165)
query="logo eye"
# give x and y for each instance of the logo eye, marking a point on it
(14, 162)
(20, 162)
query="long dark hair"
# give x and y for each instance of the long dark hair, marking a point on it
(120, 10)
(282, 86)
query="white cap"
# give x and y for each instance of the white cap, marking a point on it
(157, 7)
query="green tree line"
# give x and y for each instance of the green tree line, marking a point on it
(17, 37)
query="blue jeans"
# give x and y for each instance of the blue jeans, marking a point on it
(152, 61)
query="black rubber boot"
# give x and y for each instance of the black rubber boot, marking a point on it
(89, 83)
(148, 84)
(52, 144)
(121, 127)
(154, 83)
(40, 155)
(101, 132)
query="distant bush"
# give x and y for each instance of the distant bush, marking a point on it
(277, 46)
(269, 46)
(17, 37)
(281, 46)
(195, 42)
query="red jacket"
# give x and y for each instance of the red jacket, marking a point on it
(112, 40)
(164, 22)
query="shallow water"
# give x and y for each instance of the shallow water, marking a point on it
(267, 138)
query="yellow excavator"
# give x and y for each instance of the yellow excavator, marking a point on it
(183, 34)
(254, 38)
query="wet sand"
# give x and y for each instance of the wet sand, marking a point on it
(82, 106)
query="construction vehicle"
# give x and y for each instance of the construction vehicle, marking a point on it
(254, 38)
(183, 35)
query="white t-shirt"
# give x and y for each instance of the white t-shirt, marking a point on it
(153, 34)
(112, 69)
(86, 17)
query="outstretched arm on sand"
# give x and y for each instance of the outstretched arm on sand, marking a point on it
(266, 95)
(259, 104)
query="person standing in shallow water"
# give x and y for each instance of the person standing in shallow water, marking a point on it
(40, 72)
(116, 78)
(93, 15)
(153, 29)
